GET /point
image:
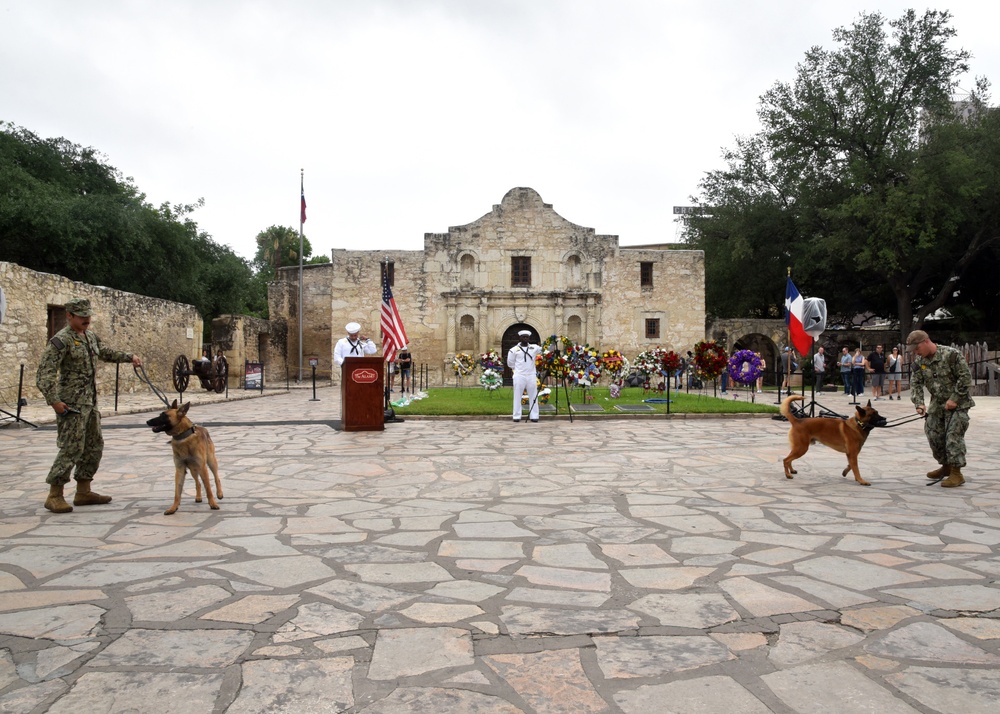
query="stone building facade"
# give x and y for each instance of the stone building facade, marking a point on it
(157, 330)
(521, 265)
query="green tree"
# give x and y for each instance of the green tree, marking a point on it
(65, 210)
(881, 187)
(278, 246)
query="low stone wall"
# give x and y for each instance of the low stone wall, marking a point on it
(157, 330)
(245, 339)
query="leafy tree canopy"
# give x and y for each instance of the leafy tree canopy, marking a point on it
(864, 179)
(65, 210)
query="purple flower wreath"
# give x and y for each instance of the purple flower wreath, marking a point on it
(745, 367)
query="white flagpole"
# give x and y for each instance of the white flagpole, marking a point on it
(302, 188)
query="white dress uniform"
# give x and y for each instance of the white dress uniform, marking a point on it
(346, 347)
(521, 359)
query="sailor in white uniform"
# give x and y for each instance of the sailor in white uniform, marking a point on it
(521, 359)
(354, 345)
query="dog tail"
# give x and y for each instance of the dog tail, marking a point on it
(786, 407)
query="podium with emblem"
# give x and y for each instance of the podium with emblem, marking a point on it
(362, 381)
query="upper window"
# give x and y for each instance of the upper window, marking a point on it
(56, 319)
(520, 271)
(652, 328)
(646, 275)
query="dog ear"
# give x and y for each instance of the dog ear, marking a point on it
(174, 405)
(184, 409)
(869, 403)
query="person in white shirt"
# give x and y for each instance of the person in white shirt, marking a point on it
(521, 359)
(354, 345)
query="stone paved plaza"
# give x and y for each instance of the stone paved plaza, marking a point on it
(626, 565)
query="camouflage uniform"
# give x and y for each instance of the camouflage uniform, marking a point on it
(68, 373)
(946, 376)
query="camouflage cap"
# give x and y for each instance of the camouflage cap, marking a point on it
(79, 307)
(915, 338)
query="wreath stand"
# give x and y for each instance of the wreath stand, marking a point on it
(808, 408)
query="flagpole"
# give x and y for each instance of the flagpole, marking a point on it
(302, 189)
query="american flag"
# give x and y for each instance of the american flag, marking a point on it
(393, 334)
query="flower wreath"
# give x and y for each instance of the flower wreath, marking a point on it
(557, 342)
(671, 362)
(554, 364)
(709, 360)
(585, 376)
(745, 367)
(491, 380)
(649, 362)
(490, 360)
(463, 364)
(614, 364)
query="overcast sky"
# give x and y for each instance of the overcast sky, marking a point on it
(410, 116)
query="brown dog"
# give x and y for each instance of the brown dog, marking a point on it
(844, 435)
(193, 450)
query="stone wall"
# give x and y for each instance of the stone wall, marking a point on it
(157, 330)
(456, 295)
(245, 339)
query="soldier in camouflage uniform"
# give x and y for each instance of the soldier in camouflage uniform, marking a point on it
(945, 374)
(67, 378)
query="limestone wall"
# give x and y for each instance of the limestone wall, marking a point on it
(157, 330)
(245, 339)
(456, 294)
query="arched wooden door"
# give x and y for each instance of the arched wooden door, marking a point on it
(510, 339)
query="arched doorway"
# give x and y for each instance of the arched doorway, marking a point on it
(510, 339)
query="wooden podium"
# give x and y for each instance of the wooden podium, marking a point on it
(362, 394)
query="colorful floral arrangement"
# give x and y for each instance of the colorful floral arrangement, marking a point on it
(557, 342)
(490, 360)
(709, 360)
(671, 362)
(491, 380)
(614, 364)
(543, 398)
(615, 389)
(463, 364)
(649, 362)
(745, 367)
(554, 364)
(585, 375)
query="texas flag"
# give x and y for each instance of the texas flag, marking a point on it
(793, 318)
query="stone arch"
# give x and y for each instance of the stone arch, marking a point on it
(467, 337)
(510, 339)
(573, 271)
(574, 329)
(467, 265)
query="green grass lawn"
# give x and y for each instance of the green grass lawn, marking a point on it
(478, 401)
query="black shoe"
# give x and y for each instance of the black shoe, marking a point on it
(534, 421)
(517, 421)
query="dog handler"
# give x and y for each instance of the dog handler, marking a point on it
(521, 359)
(945, 374)
(67, 378)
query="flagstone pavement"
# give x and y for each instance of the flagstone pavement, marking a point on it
(624, 565)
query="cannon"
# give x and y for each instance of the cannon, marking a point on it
(212, 371)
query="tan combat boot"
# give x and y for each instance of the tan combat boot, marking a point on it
(55, 502)
(954, 479)
(85, 497)
(939, 473)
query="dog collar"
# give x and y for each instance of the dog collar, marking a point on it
(184, 435)
(861, 425)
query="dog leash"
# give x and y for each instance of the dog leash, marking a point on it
(140, 372)
(902, 420)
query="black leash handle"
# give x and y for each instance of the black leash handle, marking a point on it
(140, 372)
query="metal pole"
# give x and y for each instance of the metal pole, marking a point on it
(302, 216)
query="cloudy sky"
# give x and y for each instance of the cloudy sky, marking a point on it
(410, 116)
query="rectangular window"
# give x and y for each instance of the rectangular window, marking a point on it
(652, 328)
(56, 319)
(390, 273)
(646, 275)
(520, 271)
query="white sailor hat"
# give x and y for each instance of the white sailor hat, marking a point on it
(352, 327)
(524, 333)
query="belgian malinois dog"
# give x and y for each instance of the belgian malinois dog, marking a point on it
(844, 435)
(193, 450)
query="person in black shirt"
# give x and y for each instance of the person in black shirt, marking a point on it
(876, 365)
(405, 360)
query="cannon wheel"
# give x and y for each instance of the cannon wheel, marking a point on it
(182, 373)
(221, 375)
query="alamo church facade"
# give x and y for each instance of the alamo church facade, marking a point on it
(521, 265)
